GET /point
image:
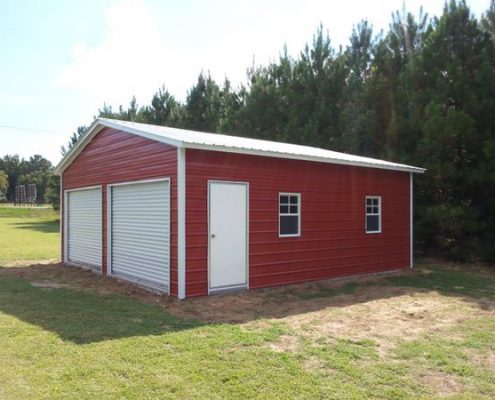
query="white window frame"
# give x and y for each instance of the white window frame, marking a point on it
(298, 195)
(379, 213)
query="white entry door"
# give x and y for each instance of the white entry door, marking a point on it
(140, 233)
(228, 235)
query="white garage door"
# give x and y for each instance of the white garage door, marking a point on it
(140, 233)
(84, 243)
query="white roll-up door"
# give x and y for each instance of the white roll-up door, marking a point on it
(140, 233)
(84, 219)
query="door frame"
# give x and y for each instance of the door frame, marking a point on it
(66, 227)
(109, 224)
(230, 287)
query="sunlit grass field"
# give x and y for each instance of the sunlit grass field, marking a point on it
(28, 233)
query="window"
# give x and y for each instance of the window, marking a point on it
(289, 214)
(373, 214)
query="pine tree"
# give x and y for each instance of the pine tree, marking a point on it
(73, 139)
(203, 103)
(458, 88)
(4, 186)
(488, 20)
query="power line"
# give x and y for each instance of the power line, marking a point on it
(29, 129)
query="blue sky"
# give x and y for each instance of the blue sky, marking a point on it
(60, 60)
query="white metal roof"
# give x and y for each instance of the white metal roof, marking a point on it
(234, 144)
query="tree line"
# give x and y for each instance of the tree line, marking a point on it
(15, 171)
(421, 92)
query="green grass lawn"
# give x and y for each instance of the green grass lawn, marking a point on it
(29, 234)
(425, 335)
(63, 343)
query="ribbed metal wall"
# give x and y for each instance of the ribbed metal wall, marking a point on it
(84, 233)
(333, 240)
(141, 233)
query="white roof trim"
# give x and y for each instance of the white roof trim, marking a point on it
(231, 144)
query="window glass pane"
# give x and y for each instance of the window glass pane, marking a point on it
(284, 199)
(289, 225)
(369, 210)
(284, 209)
(293, 209)
(372, 223)
(368, 202)
(293, 199)
(375, 202)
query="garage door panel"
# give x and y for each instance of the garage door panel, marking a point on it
(149, 275)
(144, 280)
(143, 241)
(84, 222)
(140, 221)
(132, 254)
(138, 250)
(151, 222)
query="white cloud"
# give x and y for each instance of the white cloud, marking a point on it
(131, 60)
(150, 43)
(146, 47)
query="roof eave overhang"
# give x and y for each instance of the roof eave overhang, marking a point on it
(402, 168)
(101, 123)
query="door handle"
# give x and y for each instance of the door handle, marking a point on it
(213, 236)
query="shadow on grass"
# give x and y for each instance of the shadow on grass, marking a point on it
(48, 226)
(466, 283)
(84, 317)
(449, 282)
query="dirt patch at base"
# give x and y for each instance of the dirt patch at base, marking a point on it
(483, 360)
(315, 364)
(76, 278)
(50, 285)
(285, 343)
(28, 263)
(443, 384)
(403, 316)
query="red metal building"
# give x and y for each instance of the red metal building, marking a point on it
(191, 213)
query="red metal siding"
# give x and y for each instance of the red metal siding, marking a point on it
(114, 156)
(333, 241)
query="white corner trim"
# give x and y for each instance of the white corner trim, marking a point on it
(411, 220)
(65, 213)
(108, 189)
(181, 223)
(61, 206)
